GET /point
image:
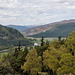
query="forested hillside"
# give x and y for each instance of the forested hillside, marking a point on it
(56, 58)
(9, 33)
(58, 30)
(11, 36)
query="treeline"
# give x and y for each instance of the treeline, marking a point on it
(6, 44)
(11, 36)
(57, 58)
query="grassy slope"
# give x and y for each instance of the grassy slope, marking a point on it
(58, 30)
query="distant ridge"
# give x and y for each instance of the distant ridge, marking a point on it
(49, 27)
(18, 27)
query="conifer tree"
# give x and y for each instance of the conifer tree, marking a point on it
(59, 38)
(24, 54)
(16, 53)
(47, 42)
(19, 46)
(26, 50)
(42, 41)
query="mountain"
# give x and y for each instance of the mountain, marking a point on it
(55, 29)
(31, 26)
(19, 28)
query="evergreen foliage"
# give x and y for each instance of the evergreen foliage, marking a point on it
(42, 41)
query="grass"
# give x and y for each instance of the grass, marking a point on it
(49, 39)
(4, 52)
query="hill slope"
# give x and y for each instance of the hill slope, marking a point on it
(9, 33)
(58, 30)
(11, 36)
(47, 27)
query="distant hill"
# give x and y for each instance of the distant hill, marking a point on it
(19, 28)
(51, 30)
(58, 30)
(9, 33)
(11, 36)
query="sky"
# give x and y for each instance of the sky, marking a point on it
(35, 12)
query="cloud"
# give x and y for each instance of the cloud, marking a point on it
(29, 12)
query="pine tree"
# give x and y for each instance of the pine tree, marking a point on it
(59, 38)
(24, 54)
(16, 50)
(42, 41)
(26, 50)
(19, 46)
(47, 42)
(16, 53)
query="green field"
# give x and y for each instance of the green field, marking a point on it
(49, 39)
(4, 52)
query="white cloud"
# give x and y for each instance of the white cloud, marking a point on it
(29, 12)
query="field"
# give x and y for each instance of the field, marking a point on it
(49, 39)
(4, 52)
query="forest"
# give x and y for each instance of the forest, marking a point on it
(56, 58)
(9, 38)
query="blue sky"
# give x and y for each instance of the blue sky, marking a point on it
(35, 12)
